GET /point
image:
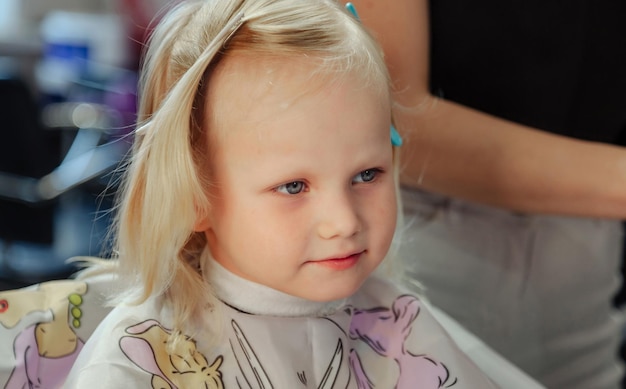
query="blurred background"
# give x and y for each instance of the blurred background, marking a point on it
(68, 75)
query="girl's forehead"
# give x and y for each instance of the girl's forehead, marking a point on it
(261, 72)
(255, 93)
(246, 80)
(309, 71)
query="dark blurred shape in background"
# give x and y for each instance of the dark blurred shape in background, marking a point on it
(67, 102)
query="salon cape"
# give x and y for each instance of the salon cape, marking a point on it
(261, 338)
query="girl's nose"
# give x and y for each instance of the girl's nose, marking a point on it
(338, 217)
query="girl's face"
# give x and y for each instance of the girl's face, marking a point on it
(304, 198)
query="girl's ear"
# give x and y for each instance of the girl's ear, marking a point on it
(202, 223)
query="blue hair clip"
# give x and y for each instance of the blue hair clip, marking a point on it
(350, 7)
(396, 139)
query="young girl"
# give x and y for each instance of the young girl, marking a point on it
(260, 198)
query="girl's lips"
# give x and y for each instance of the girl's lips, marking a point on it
(340, 263)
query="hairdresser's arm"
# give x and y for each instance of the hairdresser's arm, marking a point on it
(458, 151)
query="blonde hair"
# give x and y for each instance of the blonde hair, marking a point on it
(164, 189)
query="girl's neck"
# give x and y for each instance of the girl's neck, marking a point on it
(257, 299)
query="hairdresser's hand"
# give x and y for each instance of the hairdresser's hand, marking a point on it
(458, 151)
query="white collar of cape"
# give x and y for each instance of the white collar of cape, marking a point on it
(257, 299)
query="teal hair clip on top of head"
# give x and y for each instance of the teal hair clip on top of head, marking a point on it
(350, 7)
(396, 139)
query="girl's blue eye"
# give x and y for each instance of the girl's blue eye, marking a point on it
(366, 175)
(291, 188)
